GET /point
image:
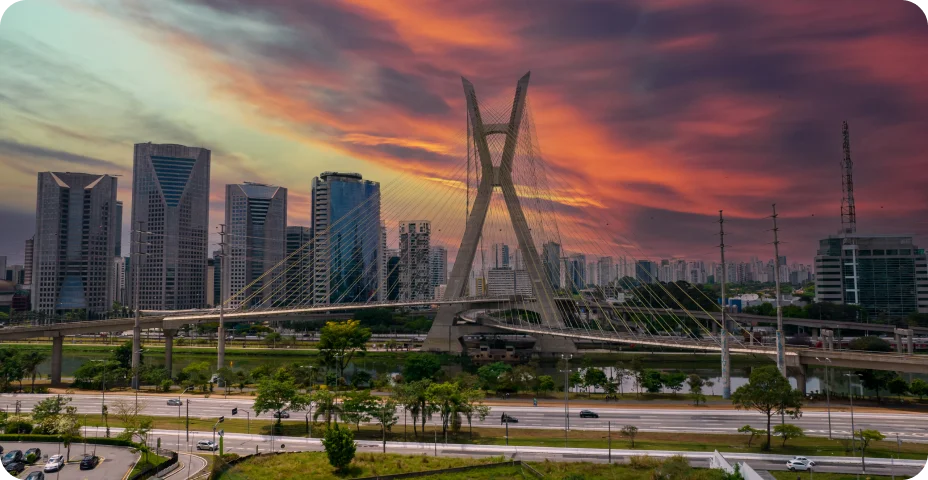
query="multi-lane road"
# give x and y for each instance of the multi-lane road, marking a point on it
(910, 427)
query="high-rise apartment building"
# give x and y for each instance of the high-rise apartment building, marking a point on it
(170, 200)
(256, 227)
(299, 267)
(886, 274)
(576, 272)
(500, 255)
(505, 282)
(438, 266)
(606, 271)
(415, 274)
(73, 244)
(551, 261)
(346, 225)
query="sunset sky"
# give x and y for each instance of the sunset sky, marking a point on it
(659, 113)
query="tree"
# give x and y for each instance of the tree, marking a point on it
(134, 424)
(226, 376)
(919, 388)
(651, 381)
(788, 431)
(444, 398)
(385, 414)
(593, 378)
(197, 375)
(876, 380)
(67, 426)
(770, 393)
(673, 380)
(11, 369)
(30, 362)
(544, 384)
(898, 386)
(413, 397)
(272, 339)
(421, 366)
(695, 382)
(870, 344)
(45, 413)
(490, 375)
(751, 430)
(340, 341)
(242, 378)
(325, 405)
(867, 436)
(630, 431)
(123, 355)
(472, 405)
(277, 394)
(361, 379)
(356, 407)
(339, 447)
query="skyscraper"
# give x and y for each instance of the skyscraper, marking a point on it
(415, 274)
(551, 261)
(500, 255)
(27, 265)
(217, 278)
(438, 266)
(299, 273)
(170, 197)
(346, 225)
(576, 274)
(392, 285)
(117, 231)
(645, 271)
(73, 243)
(606, 271)
(256, 226)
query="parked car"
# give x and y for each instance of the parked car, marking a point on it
(15, 468)
(175, 402)
(506, 418)
(34, 451)
(282, 415)
(207, 445)
(588, 414)
(13, 456)
(89, 462)
(795, 465)
(55, 463)
(35, 476)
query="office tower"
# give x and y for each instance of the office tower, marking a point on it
(211, 281)
(886, 274)
(27, 265)
(118, 285)
(516, 261)
(415, 274)
(346, 225)
(606, 271)
(117, 229)
(170, 200)
(500, 255)
(591, 274)
(505, 282)
(15, 274)
(217, 278)
(73, 247)
(438, 266)
(551, 261)
(382, 264)
(299, 267)
(3, 267)
(577, 271)
(393, 275)
(256, 227)
(645, 271)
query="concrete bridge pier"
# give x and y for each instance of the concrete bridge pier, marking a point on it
(57, 348)
(800, 372)
(169, 350)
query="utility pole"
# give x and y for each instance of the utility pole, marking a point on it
(137, 328)
(566, 358)
(726, 359)
(221, 357)
(781, 346)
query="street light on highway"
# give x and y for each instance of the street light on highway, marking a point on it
(850, 395)
(827, 395)
(102, 388)
(566, 358)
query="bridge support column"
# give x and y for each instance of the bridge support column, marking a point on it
(169, 350)
(136, 352)
(828, 339)
(801, 378)
(57, 347)
(898, 340)
(911, 342)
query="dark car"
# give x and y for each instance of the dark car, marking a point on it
(15, 468)
(35, 476)
(588, 414)
(89, 462)
(282, 415)
(506, 418)
(175, 402)
(34, 451)
(13, 456)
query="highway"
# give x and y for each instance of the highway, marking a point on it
(910, 427)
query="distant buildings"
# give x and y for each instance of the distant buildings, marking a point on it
(500, 255)
(170, 197)
(415, 274)
(299, 266)
(392, 285)
(505, 282)
(551, 261)
(645, 271)
(438, 268)
(886, 274)
(576, 271)
(346, 224)
(256, 226)
(74, 242)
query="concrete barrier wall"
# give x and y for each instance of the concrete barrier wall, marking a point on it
(748, 473)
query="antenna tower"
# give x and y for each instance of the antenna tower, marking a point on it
(848, 210)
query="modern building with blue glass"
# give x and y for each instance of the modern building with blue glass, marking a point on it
(347, 243)
(170, 196)
(75, 222)
(256, 226)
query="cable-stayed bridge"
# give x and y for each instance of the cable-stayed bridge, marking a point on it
(503, 194)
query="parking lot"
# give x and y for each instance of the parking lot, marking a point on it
(115, 462)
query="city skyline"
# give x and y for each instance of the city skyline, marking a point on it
(400, 116)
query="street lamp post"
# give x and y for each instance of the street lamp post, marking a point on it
(850, 395)
(827, 395)
(102, 388)
(566, 358)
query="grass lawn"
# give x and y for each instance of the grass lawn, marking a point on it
(827, 476)
(146, 461)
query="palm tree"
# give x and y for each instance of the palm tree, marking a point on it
(31, 362)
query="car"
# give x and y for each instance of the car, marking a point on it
(13, 456)
(207, 445)
(795, 465)
(34, 451)
(1, 449)
(805, 459)
(282, 415)
(175, 402)
(89, 462)
(506, 418)
(55, 463)
(35, 476)
(588, 414)
(15, 468)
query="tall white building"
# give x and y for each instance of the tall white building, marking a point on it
(606, 271)
(505, 282)
(256, 223)
(118, 289)
(414, 274)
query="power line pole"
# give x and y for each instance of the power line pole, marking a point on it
(137, 327)
(726, 359)
(221, 333)
(781, 347)
(848, 209)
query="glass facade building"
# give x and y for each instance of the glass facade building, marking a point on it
(256, 218)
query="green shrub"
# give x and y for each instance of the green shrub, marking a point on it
(643, 462)
(18, 427)
(31, 458)
(339, 447)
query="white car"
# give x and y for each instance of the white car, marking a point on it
(54, 463)
(207, 445)
(799, 464)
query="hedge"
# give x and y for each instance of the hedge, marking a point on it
(56, 439)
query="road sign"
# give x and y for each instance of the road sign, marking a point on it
(222, 433)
